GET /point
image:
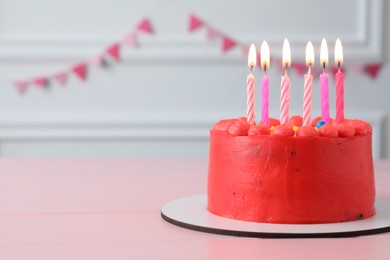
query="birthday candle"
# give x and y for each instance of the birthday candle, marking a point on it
(285, 84)
(307, 97)
(339, 76)
(265, 63)
(250, 84)
(324, 79)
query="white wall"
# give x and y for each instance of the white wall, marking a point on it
(163, 97)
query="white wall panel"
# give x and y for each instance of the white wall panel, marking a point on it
(174, 76)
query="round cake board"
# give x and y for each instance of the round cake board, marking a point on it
(191, 213)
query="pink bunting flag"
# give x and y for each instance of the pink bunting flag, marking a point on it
(21, 86)
(373, 69)
(40, 82)
(97, 60)
(194, 23)
(258, 59)
(334, 70)
(145, 26)
(227, 43)
(80, 71)
(130, 39)
(114, 51)
(61, 78)
(211, 34)
(300, 68)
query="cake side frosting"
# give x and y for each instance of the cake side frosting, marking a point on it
(291, 177)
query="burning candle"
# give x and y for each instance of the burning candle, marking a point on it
(339, 76)
(285, 84)
(265, 63)
(324, 83)
(250, 85)
(307, 96)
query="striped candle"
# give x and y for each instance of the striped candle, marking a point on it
(285, 84)
(250, 86)
(307, 96)
(284, 99)
(339, 76)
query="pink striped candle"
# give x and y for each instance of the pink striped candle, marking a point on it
(324, 79)
(285, 99)
(285, 84)
(308, 86)
(339, 96)
(250, 86)
(339, 76)
(307, 97)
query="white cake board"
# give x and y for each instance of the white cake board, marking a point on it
(191, 213)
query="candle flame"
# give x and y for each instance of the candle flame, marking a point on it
(265, 55)
(324, 53)
(252, 56)
(309, 54)
(338, 52)
(286, 54)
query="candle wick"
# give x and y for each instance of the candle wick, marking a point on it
(265, 69)
(338, 64)
(251, 68)
(309, 72)
(323, 66)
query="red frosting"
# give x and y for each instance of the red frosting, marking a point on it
(307, 131)
(283, 130)
(297, 179)
(259, 130)
(295, 121)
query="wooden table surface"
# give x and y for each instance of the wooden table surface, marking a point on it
(110, 209)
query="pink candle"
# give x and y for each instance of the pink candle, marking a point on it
(285, 85)
(339, 76)
(324, 97)
(324, 83)
(265, 62)
(308, 86)
(265, 98)
(250, 86)
(250, 99)
(339, 96)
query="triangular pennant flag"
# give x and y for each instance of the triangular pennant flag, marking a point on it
(145, 26)
(300, 68)
(97, 60)
(334, 70)
(113, 51)
(61, 78)
(80, 71)
(372, 69)
(227, 43)
(130, 39)
(258, 59)
(194, 23)
(21, 86)
(40, 82)
(211, 34)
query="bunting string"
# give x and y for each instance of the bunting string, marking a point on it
(113, 52)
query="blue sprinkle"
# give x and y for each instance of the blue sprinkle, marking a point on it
(319, 124)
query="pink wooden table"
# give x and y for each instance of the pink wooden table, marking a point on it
(110, 209)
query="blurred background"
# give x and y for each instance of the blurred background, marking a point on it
(162, 97)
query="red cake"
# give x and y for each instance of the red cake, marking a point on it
(291, 174)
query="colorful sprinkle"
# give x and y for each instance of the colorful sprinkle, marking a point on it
(319, 124)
